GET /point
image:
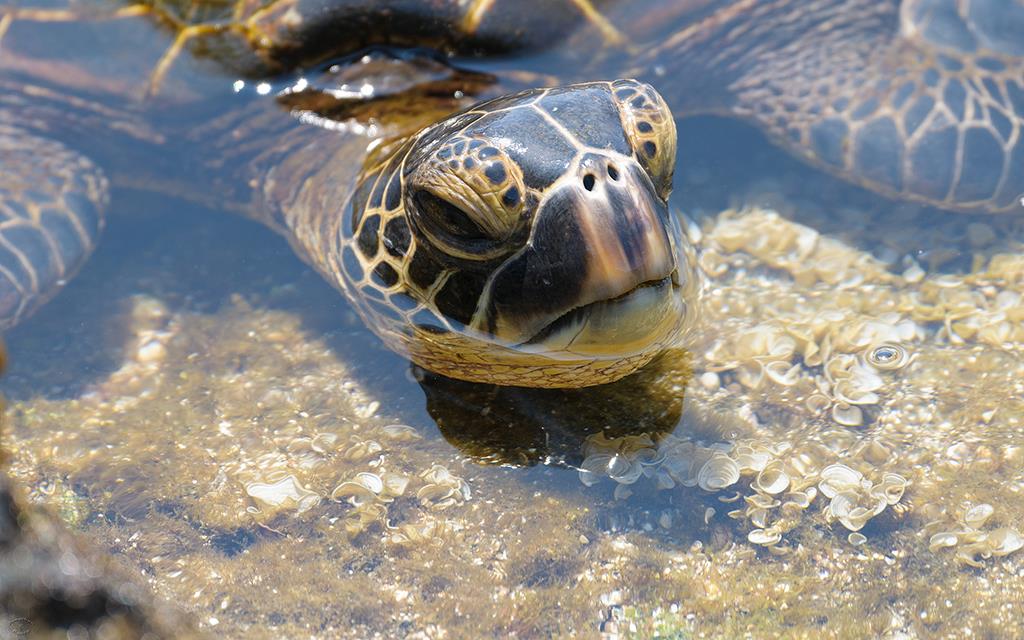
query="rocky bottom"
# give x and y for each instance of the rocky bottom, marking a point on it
(838, 453)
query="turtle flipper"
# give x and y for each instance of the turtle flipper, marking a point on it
(51, 213)
(921, 100)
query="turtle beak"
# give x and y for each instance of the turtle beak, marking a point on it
(599, 276)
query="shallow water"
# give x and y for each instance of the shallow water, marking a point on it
(197, 407)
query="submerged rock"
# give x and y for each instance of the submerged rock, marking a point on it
(53, 584)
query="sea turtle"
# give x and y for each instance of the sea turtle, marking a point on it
(522, 240)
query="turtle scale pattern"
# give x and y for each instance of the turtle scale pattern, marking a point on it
(918, 100)
(51, 200)
(412, 296)
(934, 135)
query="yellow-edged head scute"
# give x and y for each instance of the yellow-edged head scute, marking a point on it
(527, 240)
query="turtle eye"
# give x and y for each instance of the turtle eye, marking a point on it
(448, 218)
(467, 197)
(651, 130)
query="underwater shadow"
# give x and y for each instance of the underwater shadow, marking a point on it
(521, 427)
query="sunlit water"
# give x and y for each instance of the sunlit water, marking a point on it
(207, 408)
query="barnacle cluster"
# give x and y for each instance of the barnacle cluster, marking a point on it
(280, 490)
(983, 305)
(847, 360)
(853, 499)
(967, 538)
(807, 255)
(773, 485)
(367, 493)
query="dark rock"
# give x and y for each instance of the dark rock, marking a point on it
(52, 584)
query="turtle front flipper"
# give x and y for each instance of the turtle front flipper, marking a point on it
(51, 213)
(921, 100)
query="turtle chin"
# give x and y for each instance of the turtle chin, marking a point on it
(647, 317)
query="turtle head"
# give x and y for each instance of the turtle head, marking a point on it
(542, 251)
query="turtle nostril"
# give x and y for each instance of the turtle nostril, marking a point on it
(613, 172)
(588, 182)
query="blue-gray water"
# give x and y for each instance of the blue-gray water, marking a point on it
(204, 406)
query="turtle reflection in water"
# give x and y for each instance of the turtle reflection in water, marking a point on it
(523, 240)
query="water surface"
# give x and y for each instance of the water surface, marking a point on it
(204, 406)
